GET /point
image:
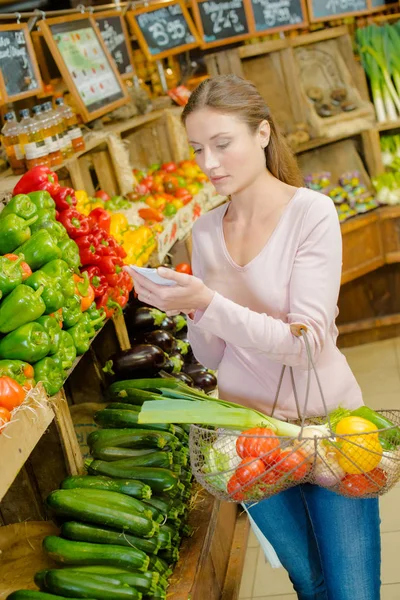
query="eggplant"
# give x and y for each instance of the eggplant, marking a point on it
(193, 368)
(180, 323)
(181, 346)
(160, 338)
(173, 364)
(168, 324)
(206, 381)
(142, 360)
(143, 318)
(184, 378)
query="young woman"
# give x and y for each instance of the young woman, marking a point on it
(263, 262)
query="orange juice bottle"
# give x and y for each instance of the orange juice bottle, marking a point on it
(9, 139)
(50, 139)
(31, 137)
(61, 130)
(71, 120)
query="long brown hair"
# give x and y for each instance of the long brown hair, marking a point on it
(230, 94)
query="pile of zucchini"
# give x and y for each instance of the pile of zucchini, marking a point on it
(122, 523)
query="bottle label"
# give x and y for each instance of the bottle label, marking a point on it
(64, 140)
(51, 145)
(19, 152)
(35, 150)
(75, 133)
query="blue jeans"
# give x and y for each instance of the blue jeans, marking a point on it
(329, 544)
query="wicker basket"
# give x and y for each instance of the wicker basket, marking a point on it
(249, 466)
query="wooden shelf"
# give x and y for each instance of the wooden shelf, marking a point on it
(20, 437)
(388, 125)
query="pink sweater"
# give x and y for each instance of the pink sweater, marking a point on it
(245, 331)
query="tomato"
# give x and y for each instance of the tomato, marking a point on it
(379, 480)
(102, 195)
(360, 453)
(294, 463)
(184, 268)
(169, 167)
(5, 416)
(354, 485)
(271, 477)
(261, 443)
(249, 470)
(234, 489)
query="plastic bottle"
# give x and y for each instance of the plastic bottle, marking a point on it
(63, 138)
(50, 138)
(31, 137)
(10, 141)
(71, 120)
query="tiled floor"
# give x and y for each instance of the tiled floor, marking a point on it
(377, 368)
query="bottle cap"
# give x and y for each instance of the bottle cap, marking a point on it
(37, 109)
(9, 116)
(24, 112)
(59, 101)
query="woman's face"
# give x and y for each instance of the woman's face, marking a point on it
(226, 150)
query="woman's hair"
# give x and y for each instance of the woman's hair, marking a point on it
(230, 94)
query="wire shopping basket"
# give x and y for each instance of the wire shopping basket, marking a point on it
(248, 466)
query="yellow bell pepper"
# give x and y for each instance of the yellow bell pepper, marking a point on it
(96, 204)
(83, 202)
(119, 225)
(360, 453)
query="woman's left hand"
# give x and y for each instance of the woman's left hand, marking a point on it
(189, 293)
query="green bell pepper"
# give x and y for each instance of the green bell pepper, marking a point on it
(43, 199)
(52, 296)
(21, 371)
(70, 253)
(14, 231)
(39, 249)
(81, 337)
(20, 205)
(66, 354)
(47, 222)
(53, 330)
(21, 306)
(10, 274)
(72, 311)
(59, 271)
(29, 342)
(92, 324)
(49, 373)
(94, 313)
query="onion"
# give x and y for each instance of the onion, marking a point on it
(327, 471)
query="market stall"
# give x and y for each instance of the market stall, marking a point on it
(105, 177)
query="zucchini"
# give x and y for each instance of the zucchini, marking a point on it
(144, 582)
(83, 532)
(179, 505)
(159, 565)
(131, 438)
(161, 505)
(115, 500)
(181, 433)
(76, 504)
(125, 391)
(111, 453)
(35, 595)
(153, 459)
(173, 531)
(180, 458)
(130, 487)
(171, 556)
(68, 552)
(122, 419)
(68, 583)
(156, 515)
(149, 385)
(160, 480)
(165, 540)
(159, 594)
(123, 406)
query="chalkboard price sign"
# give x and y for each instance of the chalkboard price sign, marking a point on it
(277, 15)
(163, 29)
(380, 4)
(19, 72)
(114, 33)
(324, 10)
(85, 64)
(223, 22)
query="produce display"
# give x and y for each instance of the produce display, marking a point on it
(350, 195)
(378, 47)
(387, 185)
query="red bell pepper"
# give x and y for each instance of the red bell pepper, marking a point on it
(39, 178)
(107, 303)
(85, 241)
(97, 280)
(74, 222)
(127, 281)
(108, 264)
(120, 295)
(115, 247)
(101, 218)
(115, 279)
(65, 198)
(89, 256)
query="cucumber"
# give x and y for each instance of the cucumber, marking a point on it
(68, 583)
(131, 438)
(160, 480)
(68, 552)
(122, 419)
(35, 595)
(144, 582)
(76, 504)
(111, 453)
(129, 487)
(125, 391)
(83, 532)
